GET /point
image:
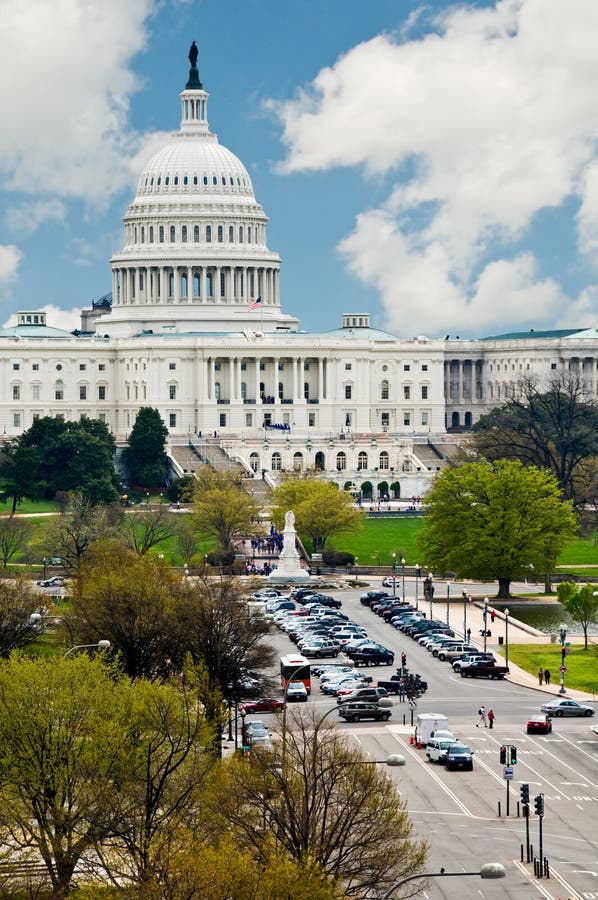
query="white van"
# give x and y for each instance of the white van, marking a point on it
(428, 723)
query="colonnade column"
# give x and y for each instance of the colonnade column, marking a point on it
(216, 289)
(189, 284)
(258, 363)
(321, 378)
(294, 362)
(131, 285)
(212, 380)
(238, 379)
(204, 284)
(115, 295)
(162, 276)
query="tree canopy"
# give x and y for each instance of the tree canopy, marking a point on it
(580, 603)
(321, 509)
(223, 509)
(493, 521)
(555, 428)
(145, 454)
(56, 455)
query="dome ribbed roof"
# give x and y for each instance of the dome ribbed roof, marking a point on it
(195, 164)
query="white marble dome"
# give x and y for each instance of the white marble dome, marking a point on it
(195, 164)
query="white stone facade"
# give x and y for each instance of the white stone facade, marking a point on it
(182, 336)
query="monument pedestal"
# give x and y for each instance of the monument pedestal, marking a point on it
(289, 564)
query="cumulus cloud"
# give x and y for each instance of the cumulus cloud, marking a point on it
(493, 115)
(64, 111)
(26, 218)
(10, 257)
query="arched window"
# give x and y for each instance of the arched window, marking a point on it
(217, 390)
(383, 461)
(220, 234)
(209, 234)
(196, 285)
(297, 461)
(341, 461)
(172, 234)
(467, 421)
(320, 461)
(151, 234)
(231, 233)
(362, 460)
(161, 234)
(142, 235)
(276, 461)
(196, 233)
(205, 179)
(210, 284)
(59, 390)
(243, 390)
(280, 390)
(135, 234)
(455, 421)
(254, 461)
(184, 234)
(240, 234)
(384, 390)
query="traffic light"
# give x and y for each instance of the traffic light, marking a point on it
(524, 789)
(539, 804)
(513, 755)
(503, 756)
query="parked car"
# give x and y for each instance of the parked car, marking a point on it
(330, 602)
(483, 669)
(372, 694)
(458, 756)
(389, 580)
(452, 651)
(264, 704)
(266, 594)
(357, 710)
(437, 748)
(296, 692)
(321, 648)
(467, 658)
(370, 596)
(539, 724)
(54, 582)
(370, 655)
(567, 708)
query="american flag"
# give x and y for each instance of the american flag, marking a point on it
(255, 304)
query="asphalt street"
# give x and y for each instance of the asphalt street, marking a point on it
(458, 812)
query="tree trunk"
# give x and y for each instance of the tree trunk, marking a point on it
(504, 589)
(547, 584)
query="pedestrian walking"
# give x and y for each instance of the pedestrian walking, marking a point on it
(492, 616)
(490, 718)
(546, 676)
(482, 715)
(540, 676)
(468, 633)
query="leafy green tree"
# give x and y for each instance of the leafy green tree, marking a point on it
(492, 521)
(71, 534)
(63, 739)
(145, 455)
(148, 527)
(580, 603)
(14, 535)
(223, 509)
(17, 603)
(555, 428)
(54, 455)
(323, 805)
(321, 510)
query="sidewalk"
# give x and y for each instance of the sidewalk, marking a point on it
(519, 633)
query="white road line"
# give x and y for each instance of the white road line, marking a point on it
(571, 768)
(431, 773)
(581, 750)
(533, 882)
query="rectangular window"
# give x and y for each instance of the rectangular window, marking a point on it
(385, 419)
(347, 392)
(58, 393)
(35, 391)
(216, 367)
(248, 420)
(553, 365)
(172, 391)
(35, 367)
(280, 367)
(406, 418)
(311, 420)
(101, 392)
(424, 367)
(16, 367)
(347, 367)
(243, 367)
(425, 418)
(102, 417)
(172, 420)
(82, 367)
(407, 392)
(424, 391)
(172, 366)
(406, 367)
(102, 367)
(16, 392)
(82, 392)
(16, 420)
(222, 420)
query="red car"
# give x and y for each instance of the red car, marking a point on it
(266, 704)
(539, 724)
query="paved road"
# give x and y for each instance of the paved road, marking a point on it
(458, 811)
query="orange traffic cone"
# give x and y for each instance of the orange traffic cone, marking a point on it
(411, 740)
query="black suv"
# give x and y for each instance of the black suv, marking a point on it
(370, 655)
(358, 710)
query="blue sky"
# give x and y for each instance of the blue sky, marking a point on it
(435, 164)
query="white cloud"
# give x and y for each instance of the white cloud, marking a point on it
(494, 115)
(64, 111)
(67, 319)
(10, 257)
(27, 217)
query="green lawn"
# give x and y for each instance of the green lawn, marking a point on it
(582, 665)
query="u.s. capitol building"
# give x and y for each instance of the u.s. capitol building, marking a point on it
(194, 326)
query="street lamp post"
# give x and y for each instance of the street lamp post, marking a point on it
(431, 590)
(403, 573)
(448, 601)
(485, 623)
(563, 630)
(394, 576)
(488, 870)
(35, 617)
(464, 595)
(507, 637)
(101, 645)
(418, 573)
